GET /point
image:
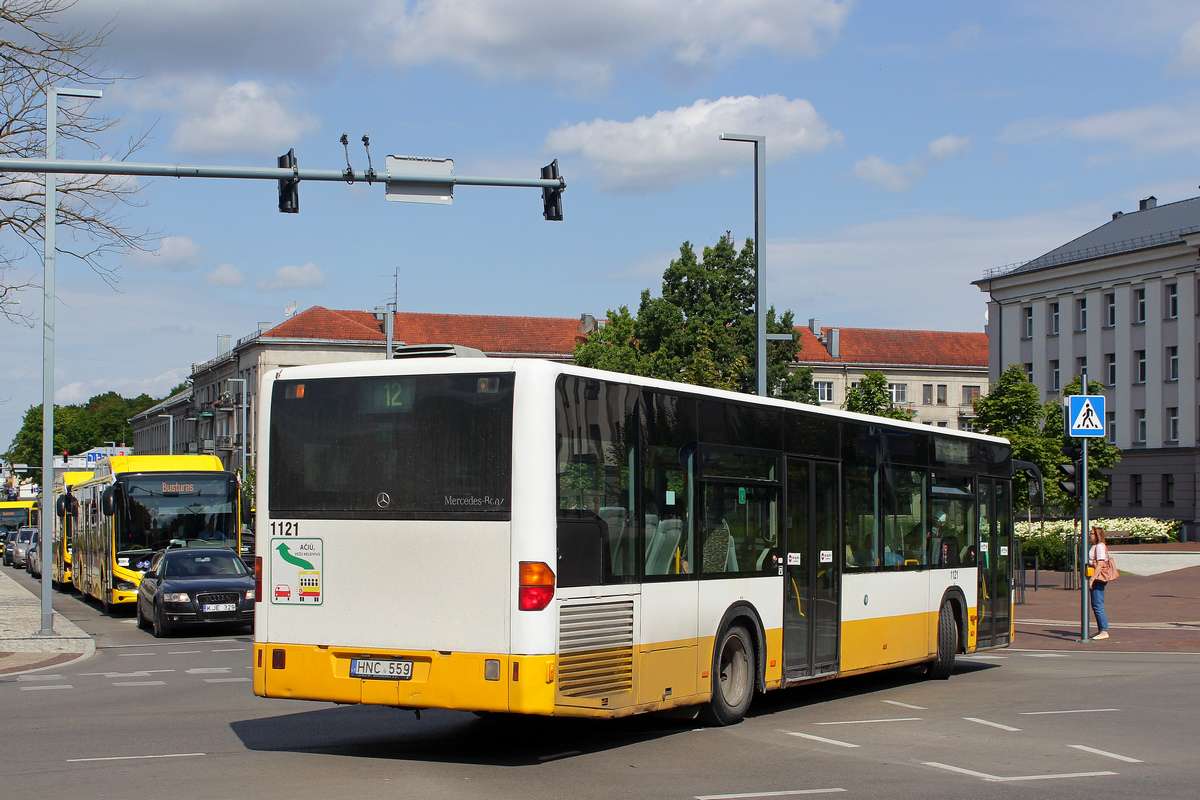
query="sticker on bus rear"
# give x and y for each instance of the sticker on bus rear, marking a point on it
(296, 566)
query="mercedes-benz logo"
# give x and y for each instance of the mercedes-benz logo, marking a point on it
(383, 500)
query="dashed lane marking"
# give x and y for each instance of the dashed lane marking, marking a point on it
(182, 652)
(1106, 754)
(906, 705)
(142, 673)
(228, 680)
(997, 779)
(1068, 711)
(208, 670)
(232, 650)
(992, 724)
(786, 793)
(46, 686)
(134, 655)
(131, 758)
(139, 683)
(39, 678)
(867, 721)
(821, 739)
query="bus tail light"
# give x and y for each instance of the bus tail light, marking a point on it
(536, 586)
(257, 578)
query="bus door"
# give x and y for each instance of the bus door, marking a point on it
(995, 574)
(810, 611)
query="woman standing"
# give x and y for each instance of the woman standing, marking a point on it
(1098, 558)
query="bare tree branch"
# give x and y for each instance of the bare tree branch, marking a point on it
(36, 53)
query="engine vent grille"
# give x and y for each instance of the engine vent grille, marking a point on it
(595, 646)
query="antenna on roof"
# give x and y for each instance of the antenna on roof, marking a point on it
(290, 310)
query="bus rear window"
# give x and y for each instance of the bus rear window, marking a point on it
(394, 447)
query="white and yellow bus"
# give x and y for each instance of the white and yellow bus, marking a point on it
(133, 506)
(502, 535)
(65, 516)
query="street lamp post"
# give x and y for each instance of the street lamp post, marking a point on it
(242, 424)
(760, 261)
(170, 433)
(52, 95)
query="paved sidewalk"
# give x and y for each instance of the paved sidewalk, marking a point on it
(21, 618)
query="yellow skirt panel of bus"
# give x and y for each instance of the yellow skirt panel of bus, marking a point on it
(872, 643)
(408, 679)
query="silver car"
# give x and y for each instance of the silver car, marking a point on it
(20, 551)
(33, 556)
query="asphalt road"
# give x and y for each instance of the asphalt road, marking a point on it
(176, 718)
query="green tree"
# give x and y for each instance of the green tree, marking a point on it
(871, 396)
(700, 330)
(1014, 410)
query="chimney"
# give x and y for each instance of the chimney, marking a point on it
(814, 325)
(1148, 203)
(223, 340)
(263, 327)
(1117, 214)
(834, 343)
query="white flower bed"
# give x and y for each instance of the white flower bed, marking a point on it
(1151, 530)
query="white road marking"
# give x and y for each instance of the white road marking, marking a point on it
(993, 724)
(182, 652)
(55, 686)
(820, 739)
(865, 721)
(208, 670)
(1046, 655)
(997, 779)
(983, 658)
(1070, 711)
(134, 655)
(1087, 749)
(232, 650)
(906, 705)
(130, 758)
(39, 677)
(141, 673)
(139, 683)
(227, 680)
(788, 793)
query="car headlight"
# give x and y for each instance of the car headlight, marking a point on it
(176, 597)
(125, 586)
(249, 594)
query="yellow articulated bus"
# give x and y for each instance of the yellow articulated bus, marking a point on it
(135, 505)
(63, 542)
(514, 535)
(16, 513)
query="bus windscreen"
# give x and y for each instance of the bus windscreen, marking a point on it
(179, 509)
(392, 447)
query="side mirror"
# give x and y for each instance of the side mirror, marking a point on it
(107, 501)
(150, 574)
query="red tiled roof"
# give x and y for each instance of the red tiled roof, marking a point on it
(491, 334)
(882, 346)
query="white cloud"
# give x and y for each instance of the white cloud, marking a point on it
(670, 147)
(901, 177)
(580, 41)
(82, 391)
(174, 254)
(292, 277)
(225, 275)
(1148, 129)
(1186, 58)
(966, 35)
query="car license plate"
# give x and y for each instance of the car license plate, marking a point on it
(380, 668)
(213, 608)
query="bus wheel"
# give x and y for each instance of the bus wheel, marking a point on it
(941, 666)
(732, 678)
(104, 604)
(161, 629)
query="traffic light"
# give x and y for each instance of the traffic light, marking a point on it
(552, 197)
(289, 189)
(1072, 481)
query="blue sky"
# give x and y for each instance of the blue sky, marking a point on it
(911, 146)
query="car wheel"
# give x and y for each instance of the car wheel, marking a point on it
(732, 678)
(161, 629)
(943, 664)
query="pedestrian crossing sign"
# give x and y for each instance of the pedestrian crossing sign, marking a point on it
(1085, 415)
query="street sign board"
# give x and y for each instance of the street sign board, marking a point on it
(1085, 415)
(434, 180)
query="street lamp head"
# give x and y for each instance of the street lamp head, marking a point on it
(65, 92)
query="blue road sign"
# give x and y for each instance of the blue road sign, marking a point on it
(1085, 415)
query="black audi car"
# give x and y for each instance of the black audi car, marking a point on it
(195, 586)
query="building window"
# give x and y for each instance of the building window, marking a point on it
(1110, 310)
(941, 394)
(966, 424)
(824, 391)
(1081, 313)
(1139, 359)
(1081, 365)
(1172, 363)
(1139, 305)
(1106, 498)
(1028, 365)
(1173, 424)
(927, 394)
(943, 424)
(970, 395)
(1028, 312)
(1054, 375)
(1168, 490)
(899, 392)
(1110, 425)
(1135, 490)
(1054, 319)
(1172, 300)
(1110, 364)
(1139, 425)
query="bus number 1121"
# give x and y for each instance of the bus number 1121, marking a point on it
(285, 528)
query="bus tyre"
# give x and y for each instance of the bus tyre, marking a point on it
(941, 666)
(161, 629)
(732, 678)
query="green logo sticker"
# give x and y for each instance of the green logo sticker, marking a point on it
(296, 567)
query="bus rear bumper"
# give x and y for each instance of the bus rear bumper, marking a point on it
(497, 682)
